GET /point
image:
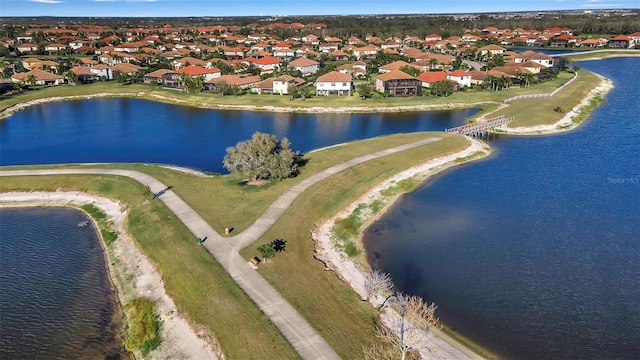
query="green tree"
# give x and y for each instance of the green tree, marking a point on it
(443, 88)
(193, 85)
(267, 250)
(411, 70)
(365, 91)
(263, 157)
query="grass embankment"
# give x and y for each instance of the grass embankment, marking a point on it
(544, 111)
(199, 285)
(208, 100)
(601, 55)
(334, 310)
(143, 332)
(106, 229)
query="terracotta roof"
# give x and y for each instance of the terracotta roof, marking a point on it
(236, 80)
(82, 70)
(338, 53)
(193, 70)
(88, 61)
(459, 73)
(40, 75)
(190, 60)
(158, 73)
(397, 65)
(126, 68)
(492, 47)
(432, 76)
(267, 60)
(334, 76)
(394, 75)
(302, 62)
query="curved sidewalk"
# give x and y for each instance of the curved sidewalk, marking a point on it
(305, 340)
(282, 203)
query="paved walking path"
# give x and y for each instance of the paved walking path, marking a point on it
(305, 340)
(282, 203)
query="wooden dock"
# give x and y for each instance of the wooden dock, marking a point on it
(480, 129)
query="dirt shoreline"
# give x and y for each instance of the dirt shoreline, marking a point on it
(132, 273)
(435, 345)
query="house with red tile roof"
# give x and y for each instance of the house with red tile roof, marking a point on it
(563, 40)
(284, 54)
(266, 64)
(41, 77)
(334, 83)
(195, 71)
(155, 76)
(430, 77)
(366, 51)
(128, 69)
(432, 37)
(241, 81)
(396, 65)
(461, 77)
(621, 42)
(492, 50)
(278, 85)
(339, 55)
(185, 61)
(305, 66)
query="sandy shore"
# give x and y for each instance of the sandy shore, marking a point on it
(133, 274)
(353, 273)
(566, 123)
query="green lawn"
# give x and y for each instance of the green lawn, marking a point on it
(199, 285)
(601, 55)
(532, 112)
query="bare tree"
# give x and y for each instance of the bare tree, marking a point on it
(408, 328)
(376, 282)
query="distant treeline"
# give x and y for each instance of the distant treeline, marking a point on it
(379, 25)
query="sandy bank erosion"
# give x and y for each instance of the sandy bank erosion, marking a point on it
(133, 274)
(436, 346)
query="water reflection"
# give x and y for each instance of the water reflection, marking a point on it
(134, 130)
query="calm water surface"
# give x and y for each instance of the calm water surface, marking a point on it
(535, 252)
(56, 300)
(133, 130)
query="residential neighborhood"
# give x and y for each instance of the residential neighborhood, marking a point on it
(254, 59)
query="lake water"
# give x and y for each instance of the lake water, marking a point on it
(134, 130)
(533, 253)
(56, 300)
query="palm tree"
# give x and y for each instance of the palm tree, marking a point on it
(30, 80)
(432, 63)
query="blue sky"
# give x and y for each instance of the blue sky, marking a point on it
(166, 8)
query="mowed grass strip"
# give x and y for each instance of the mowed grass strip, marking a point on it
(337, 312)
(532, 112)
(222, 202)
(200, 287)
